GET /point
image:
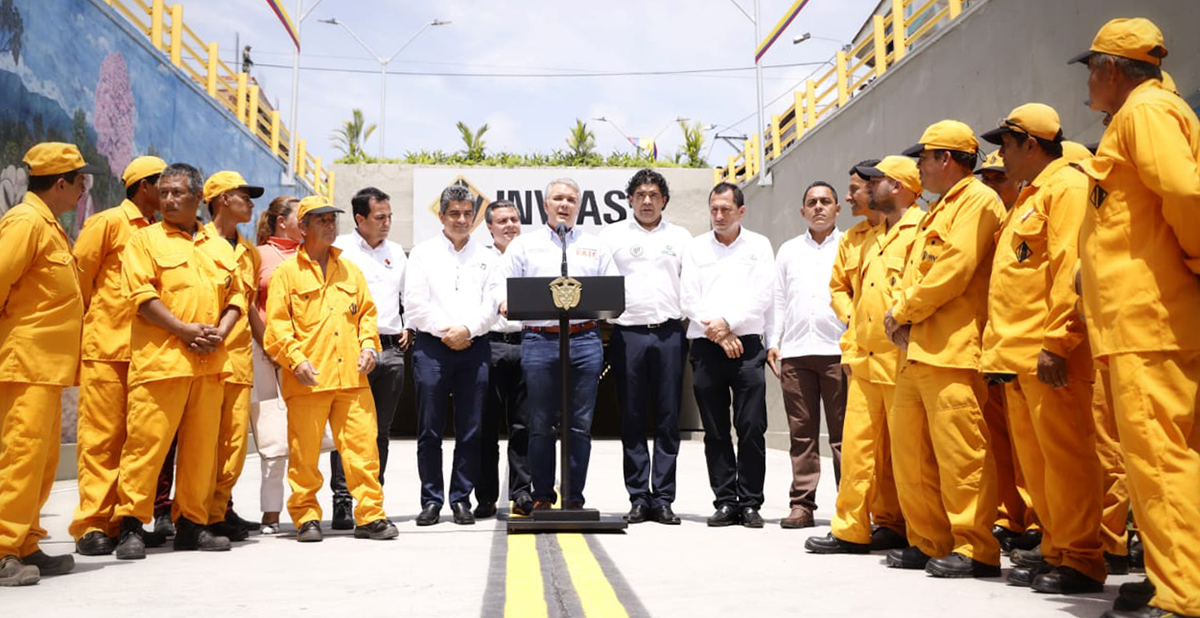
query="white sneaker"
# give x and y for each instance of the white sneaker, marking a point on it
(268, 529)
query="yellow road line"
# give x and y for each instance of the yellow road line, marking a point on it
(596, 594)
(524, 592)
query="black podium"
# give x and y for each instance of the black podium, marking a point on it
(565, 299)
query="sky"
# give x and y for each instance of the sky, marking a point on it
(522, 37)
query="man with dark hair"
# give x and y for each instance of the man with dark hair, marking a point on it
(803, 349)
(648, 346)
(993, 174)
(383, 263)
(846, 280)
(726, 292)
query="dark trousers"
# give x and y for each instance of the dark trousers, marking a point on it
(648, 365)
(505, 403)
(387, 384)
(540, 363)
(718, 381)
(438, 373)
(166, 480)
(809, 381)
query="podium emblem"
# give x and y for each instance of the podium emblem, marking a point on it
(566, 292)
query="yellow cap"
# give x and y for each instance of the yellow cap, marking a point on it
(1074, 152)
(1137, 39)
(1034, 119)
(993, 163)
(901, 169)
(315, 205)
(945, 135)
(142, 167)
(224, 181)
(51, 158)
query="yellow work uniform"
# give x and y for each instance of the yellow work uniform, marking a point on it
(846, 280)
(1114, 534)
(233, 434)
(41, 315)
(945, 476)
(1140, 255)
(868, 487)
(104, 370)
(173, 390)
(1014, 510)
(327, 319)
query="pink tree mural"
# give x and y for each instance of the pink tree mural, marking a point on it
(114, 113)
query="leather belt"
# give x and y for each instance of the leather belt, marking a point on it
(574, 329)
(510, 338)
(390, 341)
(671, 322)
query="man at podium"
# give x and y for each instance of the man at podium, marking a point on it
(539, 254)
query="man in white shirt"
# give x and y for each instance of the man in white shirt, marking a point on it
(382, 263)
(648, 346)
(727, 292)
(539, 254)
(445, 297)
(806, 340)
(506, 389)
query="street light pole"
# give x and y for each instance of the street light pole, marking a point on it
(637, 148)
(763, 180)
(301, 15)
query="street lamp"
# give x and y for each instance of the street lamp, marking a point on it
(764, 179)
(808, 35)
(301, 15)
(627, 138)
(383, 64)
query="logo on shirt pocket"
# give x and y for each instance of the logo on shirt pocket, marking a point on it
(1023, 252)
(1097, 196)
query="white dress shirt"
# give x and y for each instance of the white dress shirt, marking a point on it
(538, 253)
(502, 324)
(651, 261)
(383, 266)
(805, 323)
(447, 287)
(735, 282)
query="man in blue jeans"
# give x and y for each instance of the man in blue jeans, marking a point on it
(539, 254)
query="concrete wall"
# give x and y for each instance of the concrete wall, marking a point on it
(998, 55)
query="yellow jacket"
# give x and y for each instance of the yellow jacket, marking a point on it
(1140, 242)
(165, 262)
(945, 285)
(1032, 297)
(327, 320)
(240, 364)
(41, 310)
(846, 280)
(98, 250)
(873, 356)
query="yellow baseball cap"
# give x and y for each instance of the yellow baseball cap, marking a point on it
(1033, 119)
(1137, 39)
(142, 167)
(993, 163)
(225, 181)
(901, 169)
(315, 205)
(945, 135)
(1074, 152)
(51, 158)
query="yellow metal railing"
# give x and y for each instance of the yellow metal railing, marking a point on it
(853, 69)
(236, 92)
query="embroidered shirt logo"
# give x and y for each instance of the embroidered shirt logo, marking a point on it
(1098, 196)
(1023, 252)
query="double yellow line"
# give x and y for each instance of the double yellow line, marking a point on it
(524, 591)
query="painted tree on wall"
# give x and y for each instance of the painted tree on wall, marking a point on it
(114, 113)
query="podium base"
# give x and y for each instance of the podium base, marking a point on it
(565, 520)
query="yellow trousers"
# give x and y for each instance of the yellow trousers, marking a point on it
(945, 476)
(1114, 535)
(868, 487)
(1014, 511)
(1156, 395)
(351, 416)
(232, 441)
(158, 411)
(101, 435)
(1055, 438)
(30, 420)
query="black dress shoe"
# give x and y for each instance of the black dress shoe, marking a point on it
(750, 517)
(1116, 565)
(1132, 596)
(1066, 580)
(163, 525)
(233, 533)
(522, 504)
(1024, 576)
(485, 510)
(1030, 539)
(726, 515)
(462, 514)
(664, 515)
(1137, 553)
(907, 558)
(95, 543)
(310, 532)
(190, 536)
(233, 519)
(636, 514)
(957, 565)
(50, 565)
(830, 544)
(1027, 558)
(1005, 537)
(1144, 612)
(378, 530)
(573, 505)
(130, 545)
(343, 513)
(883, 539)
(430, 514)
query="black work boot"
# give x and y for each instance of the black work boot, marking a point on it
(130, 545)
(190, 536)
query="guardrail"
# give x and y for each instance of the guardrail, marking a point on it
(881, 48)
(200, 62)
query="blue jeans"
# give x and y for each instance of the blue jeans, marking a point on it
(439, 371)
(539, 363)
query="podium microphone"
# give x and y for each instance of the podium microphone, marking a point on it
(562, 231)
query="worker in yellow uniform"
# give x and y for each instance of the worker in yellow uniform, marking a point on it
(186, 304)
(945, 476)
(844, 284)
(1140, 256)
(321, 331)
(868, 487)
(1035, 345)
(41, 316)
(229, 196)
(104, 371)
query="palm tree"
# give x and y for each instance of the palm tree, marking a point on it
(350, 136)
(693, 143)
(472, 141)
(581, 141)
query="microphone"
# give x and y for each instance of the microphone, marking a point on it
(562, 231)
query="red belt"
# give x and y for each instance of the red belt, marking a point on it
(574, 328)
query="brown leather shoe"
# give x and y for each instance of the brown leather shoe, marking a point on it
(542, 505)
(800, 517)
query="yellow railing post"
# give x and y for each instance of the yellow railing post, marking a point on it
(317, 176)
(301, 159)
(211, 84)
(880, 46)
(899, 32)
(252, 110)
(955, 8)
(329, 185)
(717, 174)
(731, 169)
(775, 140)
(156, 24)
(843, 93)
(275, 132)
(177, 34)
(810, 103)
(798, 106)
(241, 97)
